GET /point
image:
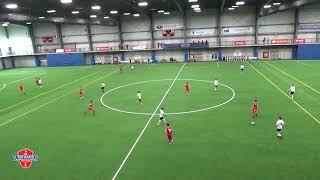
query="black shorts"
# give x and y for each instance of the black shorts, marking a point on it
(139, 100)
(241, 69)
(279, 130)
(161, 118)
(292, 93)
(102, 88)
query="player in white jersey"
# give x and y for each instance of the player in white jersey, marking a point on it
(292, 90)
(132, 67)
(103, 85)
(139, 97)
(279, 126)
(216, 83)
(161, 117)
(241, 67)
(40, 83)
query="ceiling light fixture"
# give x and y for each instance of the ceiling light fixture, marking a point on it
(96, 7)
(113, 12)
(93, 16)
(136, 15)
(166, 13)
(66, 1)
(240, 3)
(235, 6)
(28, 23)
(267, 6)
(143, 4)
(231, 9)
(106, 17)
(197, 9)
(191, 1)
(11, 6)
(51, 11)
(126, 14)
(161, 11)
(195, 6)
(75, 12)
(41, 17)
(276, 4)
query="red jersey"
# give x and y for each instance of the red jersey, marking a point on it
(187, 87)
(91, 106)
(255, 105)
(169, 131)
(21, 87)
(37, 81)
(81, 91)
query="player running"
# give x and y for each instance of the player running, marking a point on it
(37, 82)
(292, 90)
(254, 110)
(139, 97)
(132, 68)
(22, 89)
(81, 92)
(216, 83)
(279, 126)
(161, 115)
(121, 69)
(103, 85)
(187, 88)
(169, 133)
(40, 82)
(242, 67)
(90, 108)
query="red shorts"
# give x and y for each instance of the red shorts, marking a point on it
(254, 110)
(170, 137)
(90, 109)
(21, 89)
(187, 90)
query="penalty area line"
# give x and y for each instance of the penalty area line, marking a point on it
(146, 125)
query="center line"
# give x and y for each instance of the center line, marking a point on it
(147, 124)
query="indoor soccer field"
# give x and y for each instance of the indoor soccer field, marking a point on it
(212, 130)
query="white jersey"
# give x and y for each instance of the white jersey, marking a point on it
(292, 88)
(40, 82)
(103, 85)
(216, 82)
(242, 66)
(279, 124)
(161, 113)
(139, 95)
(132, 67)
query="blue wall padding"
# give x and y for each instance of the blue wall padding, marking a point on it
(186, 57)
(153, 58)
(295, 53)
(309, 52)
(123, 57)
(37, 62)
(72, 59)
(219, 54)
(255, 53)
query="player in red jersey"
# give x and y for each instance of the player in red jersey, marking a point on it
(21, 89)
(37, 82)
(90, 108)
(187, 88)
(169, 133)
(81, 92)
(254, 110)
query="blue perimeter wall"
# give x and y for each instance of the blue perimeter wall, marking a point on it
(308, 52)
(72, 59)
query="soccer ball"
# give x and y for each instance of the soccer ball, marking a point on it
(252, 123)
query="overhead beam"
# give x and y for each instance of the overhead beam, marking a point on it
(60, 35)
(285, 6)
(222, 3)
(31, 35)
(179, 5)
(89, 35)
(296, 22)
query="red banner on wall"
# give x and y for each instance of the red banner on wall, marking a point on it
(239, 43)
(279, 41)
(299, 41)
(69, 50)
(102, 48)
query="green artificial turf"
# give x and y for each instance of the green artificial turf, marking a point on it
(218, 144)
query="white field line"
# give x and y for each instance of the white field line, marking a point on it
(22, 79)
(167, 113)
(3, 86)
(145, 127)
